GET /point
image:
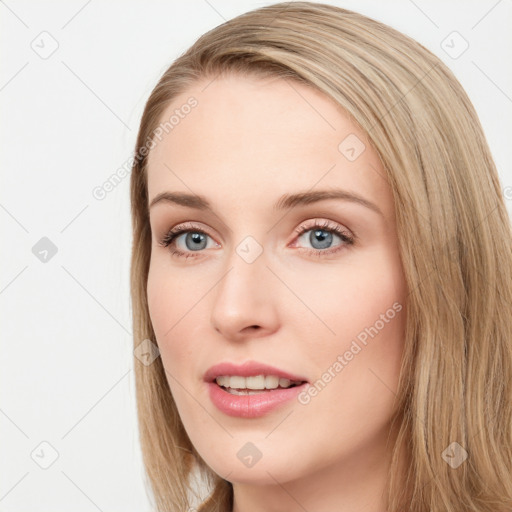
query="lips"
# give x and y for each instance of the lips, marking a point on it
(249, 369)
(252, 404)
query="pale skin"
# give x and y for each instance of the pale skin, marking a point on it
(248, 142)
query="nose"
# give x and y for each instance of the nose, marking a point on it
(244, 302)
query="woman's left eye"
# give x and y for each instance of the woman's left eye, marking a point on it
(321, 237)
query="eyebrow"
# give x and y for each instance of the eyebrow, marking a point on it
(284, 202)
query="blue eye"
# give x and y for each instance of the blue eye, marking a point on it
(321, 238)
(194, 240)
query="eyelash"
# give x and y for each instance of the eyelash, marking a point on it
(347, 239)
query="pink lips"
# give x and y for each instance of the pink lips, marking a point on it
(250, 406)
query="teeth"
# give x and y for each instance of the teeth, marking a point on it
(257, 382)
(243, 391)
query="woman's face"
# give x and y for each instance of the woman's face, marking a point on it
(272, 158)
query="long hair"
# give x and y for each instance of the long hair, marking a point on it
(455, 243)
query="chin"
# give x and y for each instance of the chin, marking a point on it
(262, 472)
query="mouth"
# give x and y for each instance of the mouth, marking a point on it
(252, 389)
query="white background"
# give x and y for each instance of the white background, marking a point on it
(68, 123)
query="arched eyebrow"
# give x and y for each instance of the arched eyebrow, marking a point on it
(284, 202)
(303, 198)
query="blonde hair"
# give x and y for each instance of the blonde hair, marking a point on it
(455, 243)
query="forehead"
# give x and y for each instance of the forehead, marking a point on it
(248, 139)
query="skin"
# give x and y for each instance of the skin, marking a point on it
(248, 142)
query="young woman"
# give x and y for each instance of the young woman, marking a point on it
(323, 257)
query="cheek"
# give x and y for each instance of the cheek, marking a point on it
(175, 307)
(357, 365)
(357, 346)
(347, 301)
(160, 303)
(168, 304)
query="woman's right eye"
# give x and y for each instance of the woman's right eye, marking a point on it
(194, 241)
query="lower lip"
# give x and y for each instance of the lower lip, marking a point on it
(251, 406)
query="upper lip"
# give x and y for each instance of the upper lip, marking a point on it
(248, 369)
